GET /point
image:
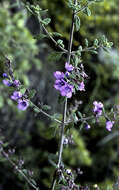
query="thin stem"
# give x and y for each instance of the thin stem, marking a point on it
(6, 156)
(46, 114)
(86, 49)
(84, 7)
(50, 116)
(90, 48)
(71, 36)
(47, 32)
(53, 40)
(62, 133)
(65, 103)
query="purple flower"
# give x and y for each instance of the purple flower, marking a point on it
(87, 126)
(98, 106)
(69, 67)
(109, 125)
(82, 86)
(22, 104)
(68, 171)
(16, 95)
(59, 75)
(59, 83)
(67, 74)
(7, 82)
(16, 83)
(66, 90)
(5, 75)
(65, 141)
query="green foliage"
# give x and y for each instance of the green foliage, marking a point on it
(17, 43)
(77, 154)
(77, 22)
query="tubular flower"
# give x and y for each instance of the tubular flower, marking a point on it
(98, 106)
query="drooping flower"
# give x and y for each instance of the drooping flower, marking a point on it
(82, 86)
(67, 90)
(69, 67)
(68, 171)
(22, 104)
(59, 75)
(59, 84)
(65, 142)
(5, 75)
(16, 95)
(98, 106)
(67, 74)
(109, 125)
(87, 126)
(7, 82)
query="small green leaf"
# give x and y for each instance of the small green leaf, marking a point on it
(80, 114)
(25, 171)
(95, 42)
(56, 34)
(80, 48)
(86, 42)
(32, 93)
(77, 22)
(46, 107)
(36, 110)
(46, 21)
(75, 118)
(60, 42)
(87, 11)
(93, 51)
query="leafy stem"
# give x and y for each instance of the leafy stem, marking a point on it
(52, 39)
(65, 103)
(45, 30)
(6, 156)
(84, 7)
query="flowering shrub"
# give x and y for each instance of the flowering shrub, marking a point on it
(68, 83)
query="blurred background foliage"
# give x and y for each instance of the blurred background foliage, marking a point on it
(33, 135)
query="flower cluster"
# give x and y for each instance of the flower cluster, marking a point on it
(8, 82)
(22, 102)
(17, 95)
(71, 80)
(98, 110)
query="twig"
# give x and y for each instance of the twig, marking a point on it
(6, 156)
(47, 32)
(53, 40)
(46, 114)
(84, 7)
